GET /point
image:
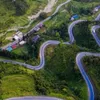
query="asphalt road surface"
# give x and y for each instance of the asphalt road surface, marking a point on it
(34, 98)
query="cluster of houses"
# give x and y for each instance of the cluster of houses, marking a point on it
(19, 37)
(19, 41)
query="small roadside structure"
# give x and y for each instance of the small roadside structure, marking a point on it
(9, 49)
(35, 38)
(41, 25)
(96, 9)
(74, 17)
(18, 36)
(38, 27)
(22, 42)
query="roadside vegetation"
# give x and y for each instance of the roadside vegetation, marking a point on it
(54, 80)
(98, 33)
(83, 36)
(92, 65)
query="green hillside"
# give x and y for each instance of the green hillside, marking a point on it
(60, 76)
(16, 13)
(54, 80)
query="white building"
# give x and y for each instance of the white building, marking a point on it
(22, 42)
(18, 36)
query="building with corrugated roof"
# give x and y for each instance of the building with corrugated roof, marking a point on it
(18, 36)
(35, 38)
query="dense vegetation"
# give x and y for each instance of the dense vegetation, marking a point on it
(62, 64)
(54, 80)
(83, 35)
(98, 33)
(15, 81)
(10, 9)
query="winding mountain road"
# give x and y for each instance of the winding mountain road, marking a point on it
(70, 30)
(93, 31)
(79, 58)
(34, 98)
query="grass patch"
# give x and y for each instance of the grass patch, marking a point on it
(17, 85)
(15, 14)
